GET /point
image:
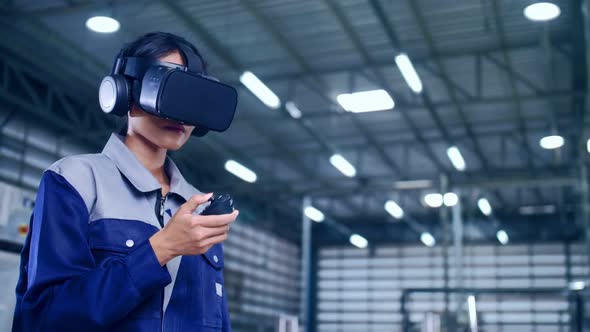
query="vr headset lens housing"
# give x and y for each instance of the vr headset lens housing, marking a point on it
(171, 91)
(189, 98)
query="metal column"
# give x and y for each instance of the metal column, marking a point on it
(306, 269)
(583, 7)
(444, 217)
(585, 205)
(458, 251)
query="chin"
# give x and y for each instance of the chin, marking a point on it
(172, 141)
(173, 144)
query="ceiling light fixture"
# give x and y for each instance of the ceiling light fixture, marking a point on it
(314, 214)
(103, 24)
(433, 200)
(260, 90)
(484, 206)
(293, 110)
(341, 164)
(450, 199)
(409, 72)
(427, 239)
(394, 209)
(502, 237)
(542, 11)
(456, 158)
(366, 101)
(240, 171)
(358, 241)
(551, 142)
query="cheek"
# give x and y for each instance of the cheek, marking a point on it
(189, 129)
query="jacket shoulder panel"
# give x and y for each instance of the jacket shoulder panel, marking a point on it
(80, 171)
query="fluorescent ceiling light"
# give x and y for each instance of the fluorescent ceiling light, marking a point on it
(456, 158)
(240, 171)
(341, 164)
(394, 209)
(103, 24)
(427, 239)
(450, 199)
(358, 241)
(293, 110)
(484, 206)
(502, 237)
(577, 285)
(366, 101)
(542, 11)
(260, 90)
(412, 184)
(588, 146)
(408, 72)
(551, 142)
(472, 313)
(540, 209)
(433, 200)
(314, 214)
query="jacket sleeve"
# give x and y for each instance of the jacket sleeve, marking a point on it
(66, 290)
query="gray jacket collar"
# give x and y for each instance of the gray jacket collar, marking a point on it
(139, 176)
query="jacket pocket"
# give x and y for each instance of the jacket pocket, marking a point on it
(116, 238)
(213, 288)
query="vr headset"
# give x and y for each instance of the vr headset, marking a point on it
(167, 90)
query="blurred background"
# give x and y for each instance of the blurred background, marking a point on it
(400, 165)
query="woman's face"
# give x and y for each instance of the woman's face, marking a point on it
(162, 133)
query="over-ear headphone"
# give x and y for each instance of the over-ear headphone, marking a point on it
(114, 93)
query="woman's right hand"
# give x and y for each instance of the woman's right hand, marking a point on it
(189, 234)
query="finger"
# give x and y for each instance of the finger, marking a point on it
(206, 248)
(214, 220)
(213, 231)
(193, 202)
(214, 240)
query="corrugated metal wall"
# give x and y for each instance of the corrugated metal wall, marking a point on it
(360, 291)
(262, 277)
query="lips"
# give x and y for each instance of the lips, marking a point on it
(177, 128)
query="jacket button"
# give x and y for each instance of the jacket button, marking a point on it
(215, 258)
(129, 243)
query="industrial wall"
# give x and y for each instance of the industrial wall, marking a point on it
(360, 290)
(262, 278)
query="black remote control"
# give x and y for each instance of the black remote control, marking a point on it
(220, 204)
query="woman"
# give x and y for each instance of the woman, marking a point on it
(116, 242)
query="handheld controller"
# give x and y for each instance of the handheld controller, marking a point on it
(220, 204)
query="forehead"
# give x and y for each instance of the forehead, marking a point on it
(173, 57)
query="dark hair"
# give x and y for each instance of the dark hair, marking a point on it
(156, 45)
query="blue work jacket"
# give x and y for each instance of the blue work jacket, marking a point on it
(87, 264)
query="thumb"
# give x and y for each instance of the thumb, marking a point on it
(193, 202)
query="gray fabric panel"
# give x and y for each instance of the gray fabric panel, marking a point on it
(79, 172)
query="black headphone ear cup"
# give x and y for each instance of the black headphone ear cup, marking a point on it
(113, 95)
(134, 91)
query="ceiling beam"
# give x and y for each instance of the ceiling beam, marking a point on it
(419, 58)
